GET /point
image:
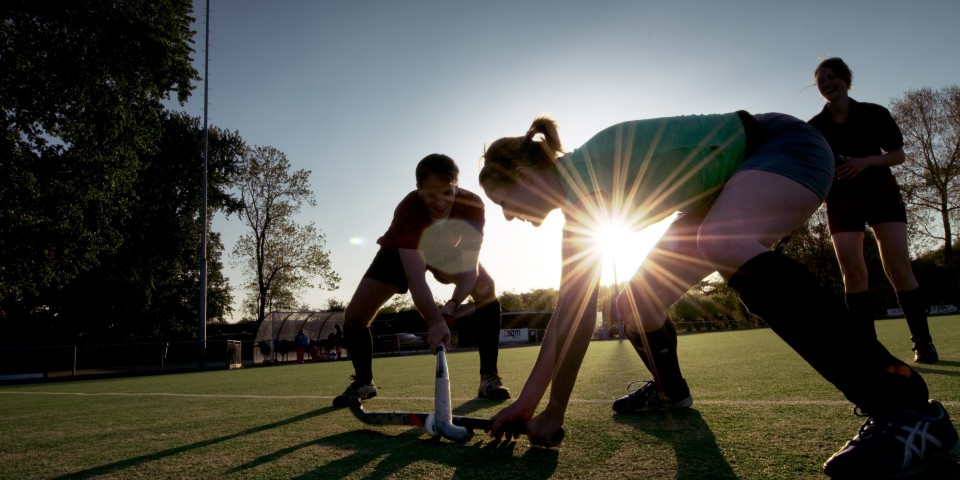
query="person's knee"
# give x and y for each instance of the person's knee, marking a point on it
(719, 247)
(727, 251)
(484, 290)
(638, 317)
(855, 277)
(901, 275)
(356, 319)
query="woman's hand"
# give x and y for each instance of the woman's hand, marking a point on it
(515, 414)
(542, 429)
(850, 167)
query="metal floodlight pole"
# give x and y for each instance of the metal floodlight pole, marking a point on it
(202, 310)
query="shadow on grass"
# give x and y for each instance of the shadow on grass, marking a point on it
(131, 462)
(383, 455)
(470, 406)
(698, 455)
(939, 368)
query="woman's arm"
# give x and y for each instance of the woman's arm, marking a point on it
(466, 280)
(564, 345)
(575, 317)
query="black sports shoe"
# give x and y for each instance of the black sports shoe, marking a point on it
(925, 352)
(647, 398)
(901, 444)
(359, 390)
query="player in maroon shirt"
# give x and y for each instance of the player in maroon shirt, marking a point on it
(437, 228)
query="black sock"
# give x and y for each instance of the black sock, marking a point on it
(486, 321)
(359, 343)
(661, 358)
(915, 311)
(814, 323)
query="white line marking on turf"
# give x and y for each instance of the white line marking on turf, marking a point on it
(384, 399)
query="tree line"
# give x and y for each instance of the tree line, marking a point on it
(100, 201)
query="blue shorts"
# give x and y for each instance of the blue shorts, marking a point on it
(792, 148)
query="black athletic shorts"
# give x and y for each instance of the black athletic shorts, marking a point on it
(388, 268)
(851, 206)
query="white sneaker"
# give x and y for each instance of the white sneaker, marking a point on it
(491, 387)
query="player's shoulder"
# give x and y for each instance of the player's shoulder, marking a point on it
(867, 107)
(466, 197)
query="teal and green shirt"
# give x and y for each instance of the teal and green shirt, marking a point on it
(644, 171)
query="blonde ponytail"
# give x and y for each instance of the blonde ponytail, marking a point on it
(505, 154)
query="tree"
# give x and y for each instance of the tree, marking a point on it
(280, 255)
(336, 305)
(81, 86)
(399, 303)
(536, 299)
(930, 177)
(148, 287)
(711, 305)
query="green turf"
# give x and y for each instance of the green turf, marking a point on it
(759, 413)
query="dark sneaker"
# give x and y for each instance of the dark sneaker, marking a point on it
(648, 398)
(491, 387)
(925, 352)
(901, 444)
(359, 390)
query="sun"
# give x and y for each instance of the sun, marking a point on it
(611, 238)
(624, 250)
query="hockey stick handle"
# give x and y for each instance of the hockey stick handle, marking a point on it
(443, 416)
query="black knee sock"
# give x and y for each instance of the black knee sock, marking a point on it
(359, 343)
(915, 311)
(860, 306)
(814, 322)
(486, 320)
(661, 358)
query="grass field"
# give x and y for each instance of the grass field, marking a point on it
(759, 413)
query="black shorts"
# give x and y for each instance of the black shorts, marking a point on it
(388, 268)
(850, 207)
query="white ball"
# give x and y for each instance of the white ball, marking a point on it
(429, 426)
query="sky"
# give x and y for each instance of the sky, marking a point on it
(358, 91)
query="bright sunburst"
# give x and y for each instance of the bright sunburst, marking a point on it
(625, 249)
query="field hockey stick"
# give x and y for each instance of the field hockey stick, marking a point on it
(441, 422)
(419, 419)
(442, 412)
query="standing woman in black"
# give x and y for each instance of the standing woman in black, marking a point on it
(866, 142)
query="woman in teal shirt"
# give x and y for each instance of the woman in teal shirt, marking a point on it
(741, 182)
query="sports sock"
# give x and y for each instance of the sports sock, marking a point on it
(860, 306)
(359, 343)
(814, 322)
(486, 321)
(915, 311)
(659, 354)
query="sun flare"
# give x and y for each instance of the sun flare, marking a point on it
(624, 250)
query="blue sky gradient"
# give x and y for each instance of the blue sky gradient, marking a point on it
(358, 92)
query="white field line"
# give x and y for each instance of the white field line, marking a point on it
(384, 400)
